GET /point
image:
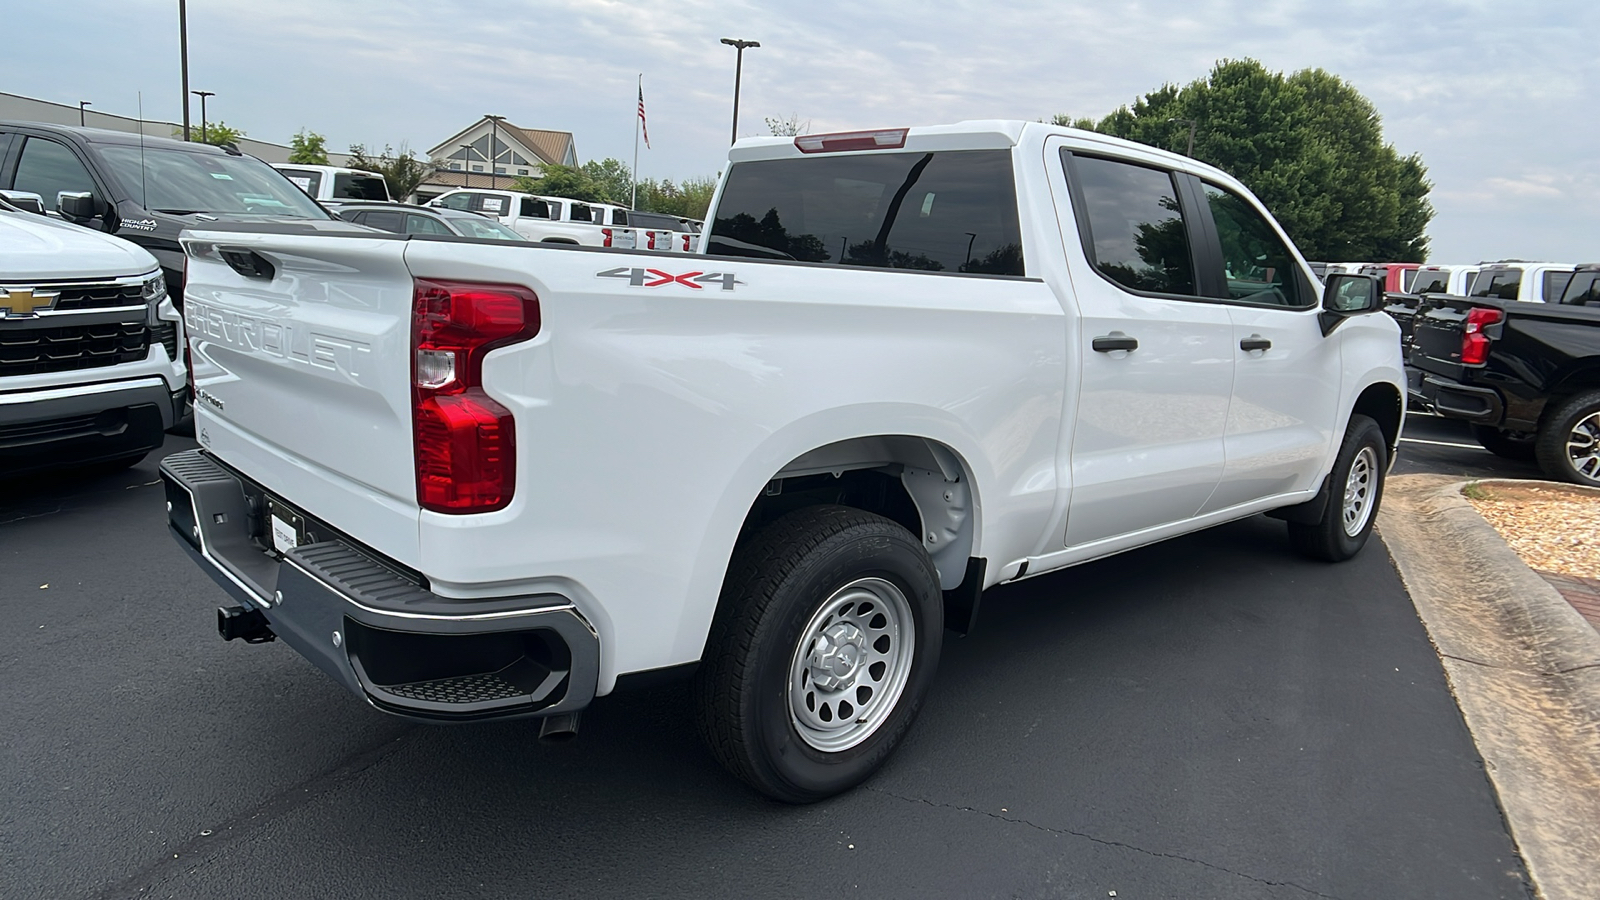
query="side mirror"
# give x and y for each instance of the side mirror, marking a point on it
(77, 206)
(1349, 295)
(27, 201)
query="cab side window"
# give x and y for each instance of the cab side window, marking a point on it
(459, 201)
(1136, 225)
(416, 224)
(1257, 264)
(47, 168)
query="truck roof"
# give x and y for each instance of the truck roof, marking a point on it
(120, 138)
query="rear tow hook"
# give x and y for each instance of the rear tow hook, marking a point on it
(239, 622)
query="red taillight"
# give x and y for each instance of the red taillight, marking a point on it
(1474, 343)
(465, 441)
(607, 233)
(650, 242)
(881, 139)
(686, 243)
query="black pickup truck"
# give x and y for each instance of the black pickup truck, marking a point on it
(1526, 375)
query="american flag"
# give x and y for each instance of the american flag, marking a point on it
(643, 123)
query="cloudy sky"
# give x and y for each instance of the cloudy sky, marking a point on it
(1499, 98)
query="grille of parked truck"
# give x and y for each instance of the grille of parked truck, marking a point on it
(475, 480)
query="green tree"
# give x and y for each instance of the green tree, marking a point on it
(571, 182)
(1308, 144)
(216, 133)
(401, 170)
(613, 182)
(689, 198)
(308, 148)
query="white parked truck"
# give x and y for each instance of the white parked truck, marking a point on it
(91, 365)
(475, 481)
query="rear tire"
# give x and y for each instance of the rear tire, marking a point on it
(1355, 489)
(1518, 445)
(825, 642)
(1569, 441)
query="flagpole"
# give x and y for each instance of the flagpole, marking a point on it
(633, 199)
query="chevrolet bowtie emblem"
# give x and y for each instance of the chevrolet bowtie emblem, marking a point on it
(25, 302)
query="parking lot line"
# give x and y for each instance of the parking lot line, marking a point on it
(1406, 440)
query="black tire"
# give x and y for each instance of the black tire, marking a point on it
(1329, 539)
(778, 583)
(1517, 445)
(1568, 448)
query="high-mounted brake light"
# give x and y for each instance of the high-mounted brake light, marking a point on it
(465, 441)
(881, 139)
(1474, 343)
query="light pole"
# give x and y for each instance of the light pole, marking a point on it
(1191, 124)
(494, 132)
(738, 71)
(203, 95)
(466, 165)
(183, 57)
(81, 105)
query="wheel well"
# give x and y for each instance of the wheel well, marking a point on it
(1381, 403)
(918, 483)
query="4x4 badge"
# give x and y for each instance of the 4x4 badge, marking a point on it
(650, 278)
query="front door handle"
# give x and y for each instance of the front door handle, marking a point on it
(1255, 342)
(1116, 340)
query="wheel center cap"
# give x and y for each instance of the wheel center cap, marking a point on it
(836, 656)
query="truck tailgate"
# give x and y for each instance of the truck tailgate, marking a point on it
(1436, 330)
(301, 353)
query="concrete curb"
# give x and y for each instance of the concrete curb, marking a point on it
(1525, 670)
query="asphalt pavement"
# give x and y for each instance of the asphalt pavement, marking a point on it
(1210, 717)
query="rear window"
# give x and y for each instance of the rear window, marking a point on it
(580, 213)
(656, 222)
(306, 180)
(359, 187)
(1555, 284)
(953, 211)
(1583, 290)
(1501, 284)
(1431, 283)
(534, 209)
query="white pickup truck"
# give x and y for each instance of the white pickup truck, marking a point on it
(551, 220)
(475, 481)
(91, 366)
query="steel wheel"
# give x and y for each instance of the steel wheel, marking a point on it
(1583, 446)
(851, 664)
(1358, 491)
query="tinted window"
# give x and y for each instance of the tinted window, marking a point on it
(535, 209)
(458, 201)
(304, 179)
(416, 224)
(1555, 283)
(182, 181)
(1256, 262)
(1407, 278)
(1584, 290)
(1135, 225)
(619, 217)
(580, 213)
(387, 221)
(47, 168)
(953, 211)
(1498, 283)
(1431, 283)
(359, 187)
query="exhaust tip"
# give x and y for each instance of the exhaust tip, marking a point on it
(559, 728)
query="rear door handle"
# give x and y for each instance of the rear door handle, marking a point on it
(1116, 340)
(1255, 342)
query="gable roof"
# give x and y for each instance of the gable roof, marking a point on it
(548, 146)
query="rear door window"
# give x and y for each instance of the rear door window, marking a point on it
(1501, 284)
(494, 204)
(952, 211)
(1138, 237)
(307, 180)
(358, 187)
(383, 220)
(416, 224)
(49, 167)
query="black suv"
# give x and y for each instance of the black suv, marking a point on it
(148, 190)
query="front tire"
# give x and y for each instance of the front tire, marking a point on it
(1569, 442)
(1355, 490)
(825, 642)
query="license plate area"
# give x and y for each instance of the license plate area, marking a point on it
(285, 527)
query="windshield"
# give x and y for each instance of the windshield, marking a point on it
(475, 227)
(359, 187)
(178, 181)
